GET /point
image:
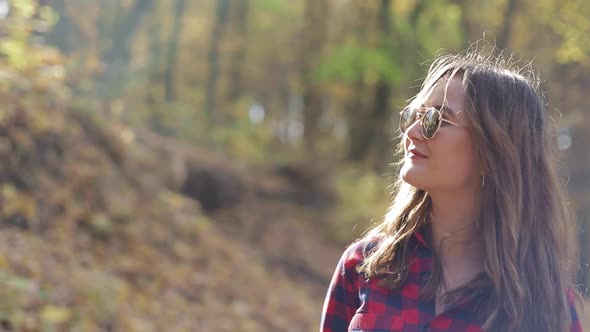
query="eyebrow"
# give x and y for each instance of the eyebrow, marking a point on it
(444, 109)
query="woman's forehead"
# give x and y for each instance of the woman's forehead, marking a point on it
(446, 92)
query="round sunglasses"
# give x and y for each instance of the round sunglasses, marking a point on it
(430, 120)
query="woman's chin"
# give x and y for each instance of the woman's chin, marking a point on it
(412, 176)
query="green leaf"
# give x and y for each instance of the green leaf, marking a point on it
(348, 64)
(15, 52)
(24, 8)
(279, 6)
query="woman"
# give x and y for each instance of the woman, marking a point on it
(478, 236)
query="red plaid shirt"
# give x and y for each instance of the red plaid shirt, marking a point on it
(355, 304)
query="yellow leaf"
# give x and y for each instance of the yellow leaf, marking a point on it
(3, 261)
(55, 314)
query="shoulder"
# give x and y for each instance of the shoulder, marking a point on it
(356, 252)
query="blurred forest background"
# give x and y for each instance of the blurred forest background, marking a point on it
(200, 165)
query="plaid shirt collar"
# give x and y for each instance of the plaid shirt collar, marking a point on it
(420, 237)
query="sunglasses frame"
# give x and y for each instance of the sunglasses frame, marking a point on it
(420, 116)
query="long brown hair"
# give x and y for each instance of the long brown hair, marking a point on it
(524, 223)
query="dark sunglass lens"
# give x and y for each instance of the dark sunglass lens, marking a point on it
(430, 122)
(407, 118)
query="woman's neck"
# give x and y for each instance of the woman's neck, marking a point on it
(455, 238)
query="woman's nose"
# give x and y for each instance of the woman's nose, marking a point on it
(414, 131)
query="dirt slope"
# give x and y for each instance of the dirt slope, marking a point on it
(108, 229)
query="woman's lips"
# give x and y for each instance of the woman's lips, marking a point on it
(414, 154)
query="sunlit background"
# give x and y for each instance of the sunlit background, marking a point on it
(179, 165)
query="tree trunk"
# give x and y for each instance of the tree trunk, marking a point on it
(359, 131)
(64, 34)
(381, 140)
(382, 122)
(155, 49)
(125, 31)
(505, 33)
(112, 80)
(466, 26)
(314, 35)
(238, 57)
(215, 41)
(169, 79)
